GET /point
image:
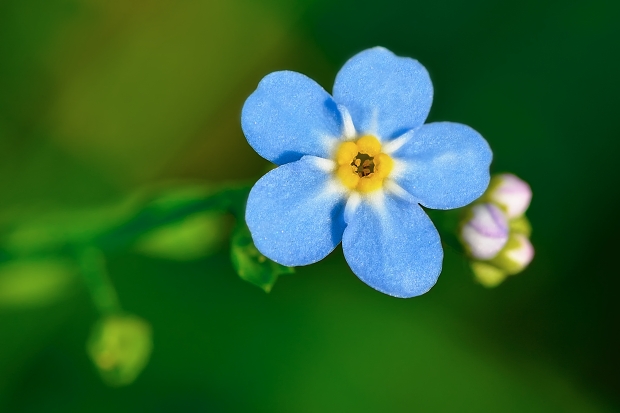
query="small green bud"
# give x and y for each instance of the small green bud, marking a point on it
(487, 274)
(120, 347)
(250, 264)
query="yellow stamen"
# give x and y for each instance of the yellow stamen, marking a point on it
(383, 165)
(348, 177)
(369, 184)
(346, 152)
(361, 164)
(369, 145)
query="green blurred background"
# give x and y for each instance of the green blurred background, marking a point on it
(101, 97)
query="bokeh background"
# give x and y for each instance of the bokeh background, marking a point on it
(101, 97)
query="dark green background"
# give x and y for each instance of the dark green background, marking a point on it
(99, 97)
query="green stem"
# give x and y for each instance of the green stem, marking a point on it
(92, 264)
(231, 200)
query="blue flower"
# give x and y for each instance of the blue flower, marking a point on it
(356, 166)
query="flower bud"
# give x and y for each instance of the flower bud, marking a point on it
(511, 193)
(120, 347)
(487, 274)
(516, 255)
(485, 232)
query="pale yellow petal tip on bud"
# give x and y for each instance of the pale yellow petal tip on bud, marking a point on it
(487, 274)
(120, 347)
(516, 255)
(520, 225)
(511, 260)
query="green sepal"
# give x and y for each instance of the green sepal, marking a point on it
(505, 261)
(488, 275)
(520, 225)
(250, 264)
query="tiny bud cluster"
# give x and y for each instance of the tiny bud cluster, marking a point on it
(495, 231)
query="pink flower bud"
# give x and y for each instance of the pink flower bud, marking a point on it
(511, 193)
(486, 232)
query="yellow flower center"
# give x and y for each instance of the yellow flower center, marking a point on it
(361, 164)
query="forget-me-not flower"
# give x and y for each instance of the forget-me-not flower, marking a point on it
(356, 166)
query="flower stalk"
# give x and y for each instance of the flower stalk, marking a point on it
(93, 269)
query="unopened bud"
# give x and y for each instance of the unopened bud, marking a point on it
(485, 232)
(120, 347)
(516, 255)
(511, 193)
(487, 274)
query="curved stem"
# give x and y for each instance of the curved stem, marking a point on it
(92, 265)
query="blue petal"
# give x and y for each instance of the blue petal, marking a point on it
(385, 94)
(294, 214)
(446, 165)
(288, 116)
(393, 247)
